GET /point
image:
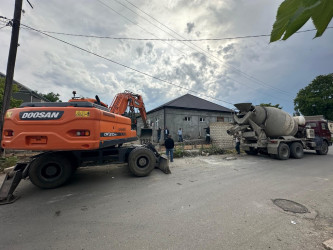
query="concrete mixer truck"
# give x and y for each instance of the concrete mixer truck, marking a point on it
(272, 131)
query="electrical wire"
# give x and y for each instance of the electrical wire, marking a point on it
(204, 52)
(166, 39)
(123, 65)
(145, 30)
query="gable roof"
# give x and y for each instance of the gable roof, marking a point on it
(189, 101)
(24, 89)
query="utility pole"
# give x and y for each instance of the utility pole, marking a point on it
(11, 61)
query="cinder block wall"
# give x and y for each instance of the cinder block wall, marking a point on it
(219, 136)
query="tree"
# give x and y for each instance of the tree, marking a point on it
(52, 97)
(293, 14)
(14, 103)
(317, 97)
(270, 105)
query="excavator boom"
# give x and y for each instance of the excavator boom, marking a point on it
(128, 99)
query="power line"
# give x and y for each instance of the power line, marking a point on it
(257, 81)
(123, 65)
(145, 30)
(166, 39)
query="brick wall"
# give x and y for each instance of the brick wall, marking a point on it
(219, 136)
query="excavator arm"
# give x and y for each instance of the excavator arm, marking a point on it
(128, 99)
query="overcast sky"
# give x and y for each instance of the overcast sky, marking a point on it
(236, 70)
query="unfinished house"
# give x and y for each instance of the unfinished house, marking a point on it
(188, 112)
(25, 94)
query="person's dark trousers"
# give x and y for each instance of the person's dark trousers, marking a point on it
(169, 151)
(238, 147)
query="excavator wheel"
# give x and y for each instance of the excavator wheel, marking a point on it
(141, 161)
(50, 170)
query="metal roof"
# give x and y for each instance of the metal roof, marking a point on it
(24, 89)
(189, 101)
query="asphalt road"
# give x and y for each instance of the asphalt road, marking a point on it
(206, 203)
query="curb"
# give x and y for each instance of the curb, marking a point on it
(328, 244)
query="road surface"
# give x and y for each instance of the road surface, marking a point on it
(208, 202)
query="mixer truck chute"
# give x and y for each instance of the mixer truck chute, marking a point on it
(272, 131)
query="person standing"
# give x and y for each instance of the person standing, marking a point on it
(237, 139)
(180, 135)
(169, 145)
(207, 135)
(166, 133)
(159, 134)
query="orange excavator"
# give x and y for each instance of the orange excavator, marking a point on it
(69, 134)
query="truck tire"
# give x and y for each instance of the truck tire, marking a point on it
(50, 170)
(296, 150)
(324, 149)
(283, 152)
(252, 151)
(141, 161)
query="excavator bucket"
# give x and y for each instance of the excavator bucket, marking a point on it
(146, 132)
(163, 165)
(146, 135)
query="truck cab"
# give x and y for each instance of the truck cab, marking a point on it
(320, 129)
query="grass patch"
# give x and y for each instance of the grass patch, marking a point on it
(213, 150)
(179, 151)
(6, 162)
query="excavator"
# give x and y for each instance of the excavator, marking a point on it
(71, 134)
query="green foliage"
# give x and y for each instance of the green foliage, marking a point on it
(179, 151)
(6, 162)
(293, 14)
(212, 150)
(270, 105)
(317, 97)
(14, 103)
(52, 97)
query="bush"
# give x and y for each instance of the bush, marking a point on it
(213, 150)
(179, 151)
(6, 162)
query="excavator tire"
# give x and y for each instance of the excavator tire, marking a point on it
(141, 161)
(50, 170)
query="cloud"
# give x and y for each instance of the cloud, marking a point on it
(230, 70)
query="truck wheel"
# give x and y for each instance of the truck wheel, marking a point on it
(283, 152)
(324, 149)
(50, 170)
(141, 161)
(296, 150)
(252, 151)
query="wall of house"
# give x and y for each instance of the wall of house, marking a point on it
(192, 122)
(155, 120)
(26, 97)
